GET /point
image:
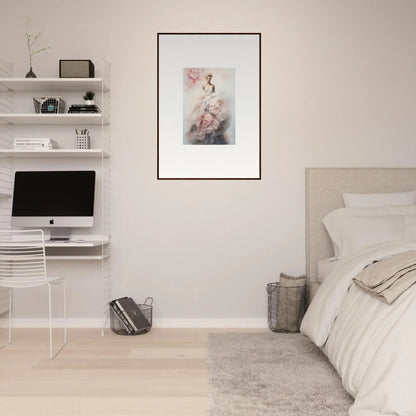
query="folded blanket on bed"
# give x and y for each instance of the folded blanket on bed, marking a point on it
(389, 278)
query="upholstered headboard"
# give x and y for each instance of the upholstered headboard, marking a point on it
(324, 189)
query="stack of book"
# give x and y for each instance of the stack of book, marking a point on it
(82, 108)
(29, 143)
(130, 315)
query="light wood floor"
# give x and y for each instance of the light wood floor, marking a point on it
(162, 373)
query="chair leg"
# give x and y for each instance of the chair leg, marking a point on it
(64, 289)
(10, 315)
(9, 319)
(50, 322)
(51, 354)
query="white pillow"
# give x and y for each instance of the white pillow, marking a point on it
(379, 200)
(357, 233)
(331, 221)
(406, 210)
(325, 267)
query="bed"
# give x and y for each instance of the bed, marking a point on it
(371, 344)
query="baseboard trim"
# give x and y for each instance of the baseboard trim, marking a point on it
(44, 323)
(210, 323)
(157, 323)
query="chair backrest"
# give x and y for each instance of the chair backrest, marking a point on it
(22, 256)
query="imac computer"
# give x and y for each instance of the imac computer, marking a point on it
(54, 199)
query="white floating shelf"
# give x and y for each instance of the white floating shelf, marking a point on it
(52, 119)
(69, 257)
(52, 84)
(91, 153)
(60, 244)
(73, 244)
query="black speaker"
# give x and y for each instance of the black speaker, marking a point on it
(76, 68)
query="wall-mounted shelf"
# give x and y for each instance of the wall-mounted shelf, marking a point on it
(60, 258)
(14, 123)
(71, 244)
(66, 244)
(91, 153)
(52, 119)
(52, 84)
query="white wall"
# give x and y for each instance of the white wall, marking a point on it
(338, 89)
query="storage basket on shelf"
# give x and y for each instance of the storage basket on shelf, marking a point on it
(49, 105)
(286, 303)
(121, 326)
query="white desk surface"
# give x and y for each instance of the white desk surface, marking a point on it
(74, 243)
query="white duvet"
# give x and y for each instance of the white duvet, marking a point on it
(370, 343)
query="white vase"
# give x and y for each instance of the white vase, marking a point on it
(89, 102)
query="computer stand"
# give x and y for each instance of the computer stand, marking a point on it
(60, 234)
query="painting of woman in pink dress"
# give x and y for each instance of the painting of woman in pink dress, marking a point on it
(209, 106)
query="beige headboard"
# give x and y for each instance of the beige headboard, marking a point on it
(324, 189)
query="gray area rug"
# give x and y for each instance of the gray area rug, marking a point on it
(272, 374)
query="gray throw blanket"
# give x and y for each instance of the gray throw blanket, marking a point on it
(388, 278)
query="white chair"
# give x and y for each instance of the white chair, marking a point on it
(23, 265)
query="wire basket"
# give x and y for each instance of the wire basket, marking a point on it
(286, 303)
(49, 105)
(146, 308)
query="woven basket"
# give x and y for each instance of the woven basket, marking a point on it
(286, 303)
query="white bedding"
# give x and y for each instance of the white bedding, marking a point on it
(325, 266)
(371, 344)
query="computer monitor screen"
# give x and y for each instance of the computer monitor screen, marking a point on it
(53, 198)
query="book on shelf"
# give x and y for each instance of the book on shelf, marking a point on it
(82, 108)
(132, 313)
(121, 317)
(34, 144)
(26, 140)
(25, 148)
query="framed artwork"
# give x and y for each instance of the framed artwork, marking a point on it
(208, 106)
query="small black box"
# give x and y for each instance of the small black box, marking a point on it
(76, 68)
